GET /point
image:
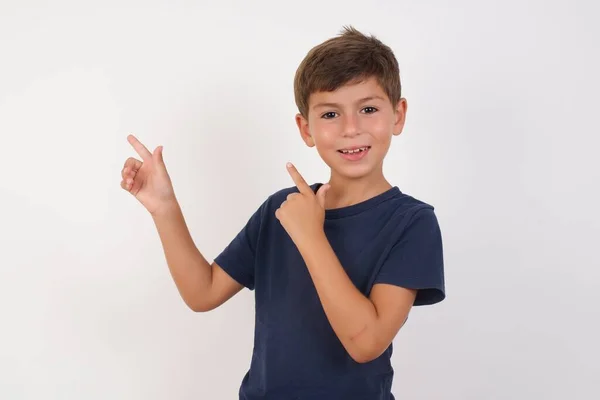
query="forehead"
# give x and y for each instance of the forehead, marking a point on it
(349, 93)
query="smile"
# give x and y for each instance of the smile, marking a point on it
(356, 150)
(354, 154)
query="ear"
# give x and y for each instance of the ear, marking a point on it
(304, 130)
(400, 116)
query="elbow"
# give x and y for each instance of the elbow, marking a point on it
(364, 356)
(199, 306)
(365, 352)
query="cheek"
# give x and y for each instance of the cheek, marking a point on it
(381, 130)
(325, 136)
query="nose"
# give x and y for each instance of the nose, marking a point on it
(350, 126)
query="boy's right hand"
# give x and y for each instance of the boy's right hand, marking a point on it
(148, 180)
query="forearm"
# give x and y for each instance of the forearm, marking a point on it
(188, 267)
(352, 316)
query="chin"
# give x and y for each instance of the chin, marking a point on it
(355, 174)
(349, 169)
(354, 171)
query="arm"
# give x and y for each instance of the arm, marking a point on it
(365, 326)
(202, 286)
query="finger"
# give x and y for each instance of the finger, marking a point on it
(301, 184)
(126, 186)
(321, 194)
(157, 155)
(128, 173)
(139, 148)
(133, 164)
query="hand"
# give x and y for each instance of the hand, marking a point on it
(148, 180)
(302, 214)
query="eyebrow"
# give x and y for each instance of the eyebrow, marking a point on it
(334, 105)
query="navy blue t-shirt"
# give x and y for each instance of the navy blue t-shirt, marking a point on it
(391, 238)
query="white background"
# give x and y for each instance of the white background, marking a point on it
(501, 137)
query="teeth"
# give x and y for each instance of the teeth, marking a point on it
(354, 151)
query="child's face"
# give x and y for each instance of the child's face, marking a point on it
(354, 117)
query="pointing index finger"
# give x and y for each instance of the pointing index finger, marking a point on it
(303, 187)
(139, 148)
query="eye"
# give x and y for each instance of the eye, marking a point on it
(369, 110)
(329, 115)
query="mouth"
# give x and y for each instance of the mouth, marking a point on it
(354, 153)
(354, 150)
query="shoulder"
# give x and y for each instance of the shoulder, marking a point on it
(407, 208)
(265, 213)
(275, 199)
(419, 224)
(408, 216)
(411, 202)
(282, 193)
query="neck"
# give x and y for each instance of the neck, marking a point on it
(346, 191)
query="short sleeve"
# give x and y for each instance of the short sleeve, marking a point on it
(416, 261)
(238, 258)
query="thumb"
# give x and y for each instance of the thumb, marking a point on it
(321, 193)
(157, 156)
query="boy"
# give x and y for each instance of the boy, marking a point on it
(335, 267)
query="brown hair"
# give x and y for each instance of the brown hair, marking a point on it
(349, 57)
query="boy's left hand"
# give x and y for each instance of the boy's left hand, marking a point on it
(302, 214)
